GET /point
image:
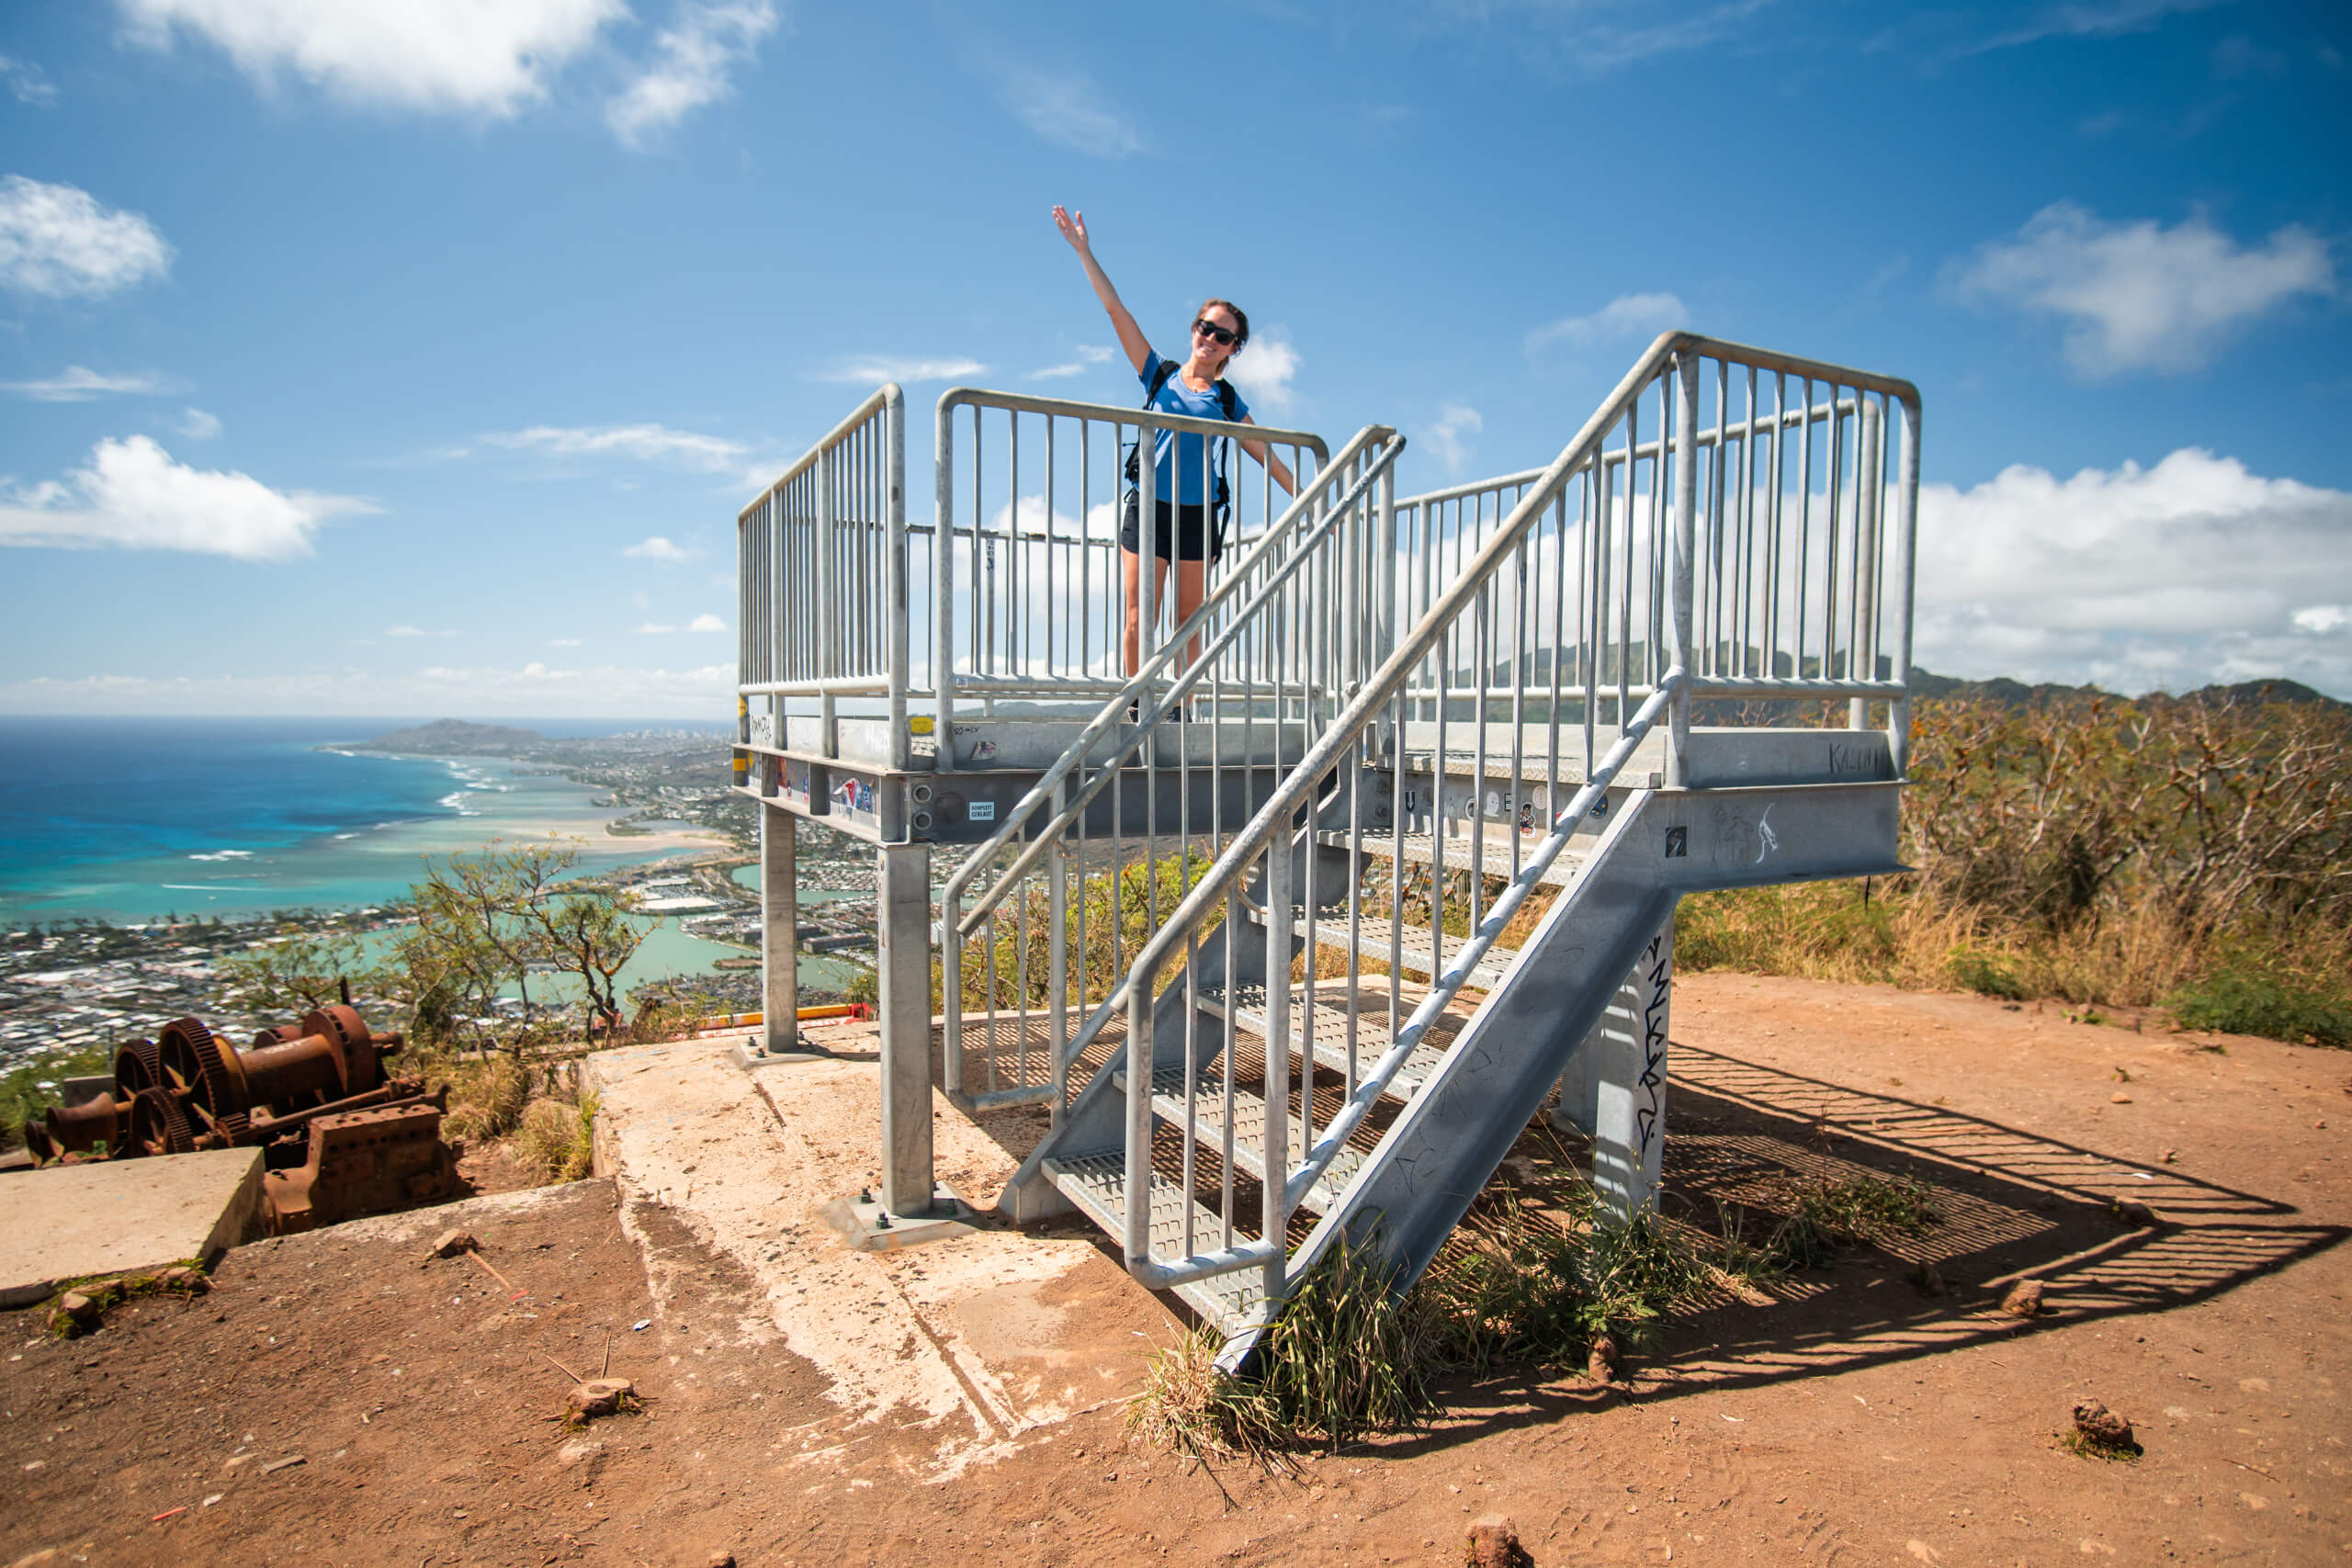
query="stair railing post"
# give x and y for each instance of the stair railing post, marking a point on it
(1274, 1151)
(1138, 1189)
(1686, 539)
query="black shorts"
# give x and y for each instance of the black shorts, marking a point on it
(1184, 532)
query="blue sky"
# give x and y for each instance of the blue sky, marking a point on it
(375, 358)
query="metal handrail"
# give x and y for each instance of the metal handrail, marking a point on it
(1145, 424)
(1147, 677)
(854, 456)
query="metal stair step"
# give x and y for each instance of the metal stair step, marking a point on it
(1371, 939)
(1461, 852)
(1097, 1183)
(1248, 1131)
(1331, 1030)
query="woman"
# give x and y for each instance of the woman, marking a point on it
(1185, 529)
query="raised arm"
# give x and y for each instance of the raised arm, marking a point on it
(1274, 466)
(1131, 338)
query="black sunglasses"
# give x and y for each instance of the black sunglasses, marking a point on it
(1211, 331)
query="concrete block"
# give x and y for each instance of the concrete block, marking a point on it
(119, 1216)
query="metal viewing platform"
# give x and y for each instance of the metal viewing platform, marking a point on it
(1375, 853)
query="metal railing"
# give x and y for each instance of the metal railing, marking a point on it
(1575, 625)
(822, 579)
(1025, 539)
(1296, 624)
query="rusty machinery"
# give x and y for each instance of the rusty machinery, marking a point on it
(339, 1137)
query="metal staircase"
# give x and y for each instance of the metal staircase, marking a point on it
(1416, 816)
(1294, 928)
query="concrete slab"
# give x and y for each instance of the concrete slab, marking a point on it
(66, 1222)
(987, 1339)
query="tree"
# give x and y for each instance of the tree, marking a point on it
(477, 927)
(589, 926)
(294, 973)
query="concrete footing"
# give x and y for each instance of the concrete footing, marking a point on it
(865, 1224)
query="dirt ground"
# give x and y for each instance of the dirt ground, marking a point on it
(1849, 1419)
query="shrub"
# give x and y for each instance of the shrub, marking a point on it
(2250, 1001)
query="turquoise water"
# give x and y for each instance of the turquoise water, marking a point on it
(129, 819)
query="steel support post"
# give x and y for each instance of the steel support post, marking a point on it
(903, 885)
(779, 931)
(1627, 1076)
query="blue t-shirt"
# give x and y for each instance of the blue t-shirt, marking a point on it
(1177, 398)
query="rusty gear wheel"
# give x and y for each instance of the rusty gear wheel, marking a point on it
(347, 1032)
(157, 1125)
(137, 1065)
(198, 1072)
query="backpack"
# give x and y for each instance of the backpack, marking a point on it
(1226, 398)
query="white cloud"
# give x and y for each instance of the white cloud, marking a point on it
(1075, 368)
(475, 56)
(1627, 316)
(1264, 371)
(414, 631)
(134, 496)
(199, 425)
(646, 443)
(80, 384)
(563, 642)
(2139, 296)
(705, 623)
(27, 84)
(654, 629)
(1454, 421)
(2190, 571)
(1557, 35)
(57, 241)
(2091, 19)
(657, 548)
(692, 60)
(874, 368)
(1065, 107)
(704, 693)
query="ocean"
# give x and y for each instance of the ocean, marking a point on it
(128, 819)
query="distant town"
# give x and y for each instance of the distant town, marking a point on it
(72, 985)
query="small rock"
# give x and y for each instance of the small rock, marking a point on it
(288, 1462)
(1601, 1365)
(2172, 1157)
(452, 1243)
(1929, 1283)
(722, 1559)
(2102, 1426)
(577, 1452)
(1493, 1543)
(189, 1281)
(2131, 1212)
(82, 1309)
(2118, 1097)
(599, 1396)
(2024, 1299)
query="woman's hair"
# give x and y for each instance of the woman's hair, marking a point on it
(1241, 319)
